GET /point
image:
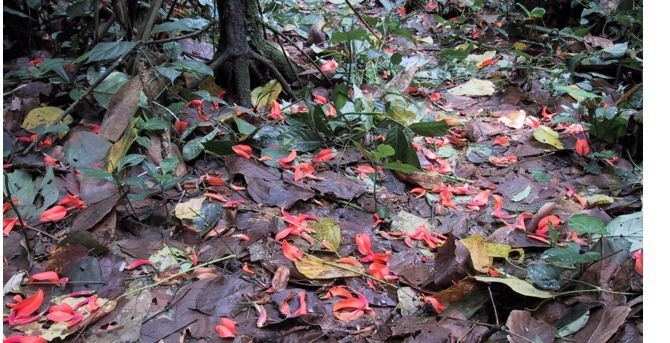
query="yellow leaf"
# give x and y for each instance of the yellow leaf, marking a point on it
(120, 148)
(514, 119)
(328, 233)
(546, 135)
(317, 268)
(474, 87)
(520, 286)
(41, 116)
(482, 252)
(263, 97)
(189, 209)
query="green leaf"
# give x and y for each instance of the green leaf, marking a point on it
(244, 127)
(109, 50)
(316, 268)
(108, 87)
(130, 160)
(181, 25)
(401, 167)
(537, 13)
(195, 147)
(169, 73)
(457, 53)
(629, 227)
(474, 87)
(582, 223)
(194, 67)
(97, 174)
(154, 124)
(383, 151)
(220, 148)
(397, 139)
(348, 36)
(576, 93)
(568, 256)
(430, 129)
(540, 176)
(546, 135)
(520, 286)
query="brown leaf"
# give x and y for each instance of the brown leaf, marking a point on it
(280, 279)
(451, 262)
(603, 325)
(122, 107)
(522, 324)
(94, 213)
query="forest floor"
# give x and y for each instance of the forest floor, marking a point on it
(458, 182)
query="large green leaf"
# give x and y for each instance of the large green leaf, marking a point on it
(404, 152)
(568, 256)
(430, 129)
(181, 25)
(107, 51)
(582, 223)
(629, 227)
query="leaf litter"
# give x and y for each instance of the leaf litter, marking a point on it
(434, 184)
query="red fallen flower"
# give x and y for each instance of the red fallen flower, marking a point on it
(338, 291)
(285, 162)
(180, 126)
(64, 313)
(447, 199)
(637, 256)
(498, 211)
(430, 6)
(302, 308)
(402, 11)
(50, 161)
(364, 244)
(501, 140)
(72, 201)
(27, 138)
(296, 220)
(8, 225)
(291, 252)
(21, 311)
(351, 308)
(379, 267)
(443, 166)
(243, 150)
(503, 161)
(427, 152)
(49, 277)
(437, 306)
(377, 219)
(275, 111)
(435, 96)
(480, 200)
(301, 231)
(195, 103)
(582, 147)
(547, 222)
(546, 115)
(521, 221)
(213, 180)
(574, 129)
(329, 67)
(350, 260)
(324, 155)
(247, 269)
(303, 170)
(24, 339)
(462, 190)
(418, 192)
(138, 263)
(320, 99)
(226, 328)
(53, 214)
(432, 240)
(329, 110)
(365, 169)
(533, 122)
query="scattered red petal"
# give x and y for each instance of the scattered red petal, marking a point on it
(226, 328)
(501, 140)
(26, 307)
(72, 201)
(302, 308)
(49, 277)
(431, 5)
(303, 170)
(418, 192)
(402, 11)
(547, 222)
(365, 169)
(498, 211)
(329, 110)
(431, 239)
(320, 99)
(247, 269)
(546, 115)
(275, 112)
(351, 308)
(637, 256)
(53, 214)
(503, 161)
(213, 180)
(364, 244)
(24, 339)
(435, 96)
(138, 263)
(286, 162)
(437, 306)
(582, 147)
(480, 200)
(291, 252)
(324, 155)
(329, 67)
(243, 150)
(50, 161)
(8, 225)
(180, 126)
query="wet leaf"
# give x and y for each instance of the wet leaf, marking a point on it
(317, 268)
(574, 326)
(576, 93)
(546, 135)
(408, 301)
(544, 276)
(520, 286)
(523, 194)
(430, 129)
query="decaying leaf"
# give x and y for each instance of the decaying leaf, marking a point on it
(317, 268)
(520, 286)
(514, 119)
(264, 96)
(483, 252)
(122, 107)
(189, 209)
(41, 116)
(546, 135)
(327, 233)
(474, 87)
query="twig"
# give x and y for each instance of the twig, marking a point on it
(358, 15)
(167, 40)
(493, 303)
(628, 94)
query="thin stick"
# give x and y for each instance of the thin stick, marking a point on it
(18, 215)
(493, 303)
(358, 15)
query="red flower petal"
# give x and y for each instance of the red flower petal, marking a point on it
(364, 244)
(60, 316)
(24, 339)
(226, 328)
(8, 225)
(285, 162)
(137, 263)
(50, 277)
(323, 156)
(243, 150)
(291, 252)
(582, 147)
(437, 306)
(29, 305)
(72, 201)
(320, 100)
(53, 214)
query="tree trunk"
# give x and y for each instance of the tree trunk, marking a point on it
(243, 48)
